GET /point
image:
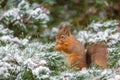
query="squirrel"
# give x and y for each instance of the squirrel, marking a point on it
(75, 53)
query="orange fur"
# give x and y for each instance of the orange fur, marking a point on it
(74, 49)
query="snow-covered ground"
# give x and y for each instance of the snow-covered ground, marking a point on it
(14, 61)
(35, 60)
(24, 60)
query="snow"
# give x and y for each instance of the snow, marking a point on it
(39, 70)
(117, 77)
(107, 35)
(98, 25)
(4, 72)
(34, 57)
(29, 62)
(39, 58)
(16, 15)
(39, 14)
(5, 31)
(8, 38)
(23, 5)
(119, 61)
(13, 59)
(5, 38)
(50, 33)
(111, 37)
(110, 23)
(42, 62)
(11, 15)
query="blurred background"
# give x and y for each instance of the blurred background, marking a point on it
(40, 18)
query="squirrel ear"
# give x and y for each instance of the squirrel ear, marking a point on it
(67, 30)
(61, 27)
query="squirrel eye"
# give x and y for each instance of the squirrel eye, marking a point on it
(62, 36)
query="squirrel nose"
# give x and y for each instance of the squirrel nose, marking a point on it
(56, 47)
(58, 42)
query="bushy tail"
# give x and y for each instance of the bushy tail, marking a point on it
(97, 54)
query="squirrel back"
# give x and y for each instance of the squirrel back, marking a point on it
(74, 49)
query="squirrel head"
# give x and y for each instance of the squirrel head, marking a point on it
(63, 35)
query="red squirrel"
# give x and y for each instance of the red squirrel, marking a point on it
(75, 51)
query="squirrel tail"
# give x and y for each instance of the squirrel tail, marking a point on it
(97, 54)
